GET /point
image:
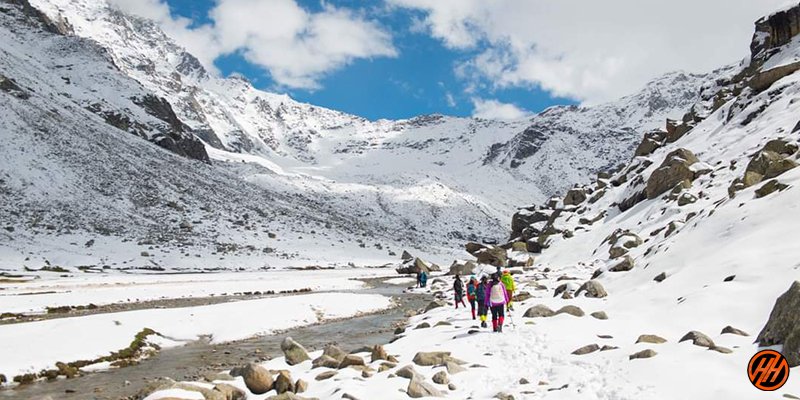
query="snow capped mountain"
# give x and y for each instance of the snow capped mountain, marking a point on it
(429, 182)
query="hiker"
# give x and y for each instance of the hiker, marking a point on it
(472, 288)
(508, 282)
(480, 296)
(458, 288)
(419, 279)
(423, 279)
(496, 300)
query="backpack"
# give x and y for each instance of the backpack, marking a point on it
(471, 290)
(497, 294)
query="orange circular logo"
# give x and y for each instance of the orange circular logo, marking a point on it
(768, 370)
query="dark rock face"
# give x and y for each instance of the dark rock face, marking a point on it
(783, 326)
(179, 139)
(774, 31)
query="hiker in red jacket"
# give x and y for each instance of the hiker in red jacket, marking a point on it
(496, 299)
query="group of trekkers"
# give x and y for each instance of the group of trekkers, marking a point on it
(493, 294)
(422, 279)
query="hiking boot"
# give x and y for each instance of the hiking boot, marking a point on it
(483, 324)
(500, 328)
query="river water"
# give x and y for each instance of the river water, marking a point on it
(192, 361)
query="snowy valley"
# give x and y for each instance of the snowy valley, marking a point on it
(146, 198)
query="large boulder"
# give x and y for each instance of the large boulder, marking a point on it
(677, 167)
(783, 325)
(417, 265)
(539, 311)
(284, 382)
(325, 361)
(433, 358)
(257, 379)
(575, 196)
(650, 143)
(418, 388)
(525, 217)
(333, 351)
(626, 264)
(351, 360)
(492, 255)
(592, 288)
(293, 351)
(460, 267)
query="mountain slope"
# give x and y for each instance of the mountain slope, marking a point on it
(433, 174)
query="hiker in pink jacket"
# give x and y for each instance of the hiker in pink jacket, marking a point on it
(496, 300)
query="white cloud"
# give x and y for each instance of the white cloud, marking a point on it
(297, 47)
(587, 49)
(450, 99)
(493, 109)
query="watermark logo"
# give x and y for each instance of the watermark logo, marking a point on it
(768, 370)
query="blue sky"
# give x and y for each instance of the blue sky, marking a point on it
(419, 80)
(493, 59)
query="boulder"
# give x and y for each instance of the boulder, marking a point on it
(586, 349)
(734, 331)
(783, 325)
(333, 351)
(460, 267)
(575, 197)
(626, 264)
(415, 266)
(592, 288)
(257, 379)
(454, 368)
(408, 372)
(406, 256)
(288, 396)
(293, 351)
(660, 277)
(284, 382)
(781, 146)
(417, 388)
(653, 339)
(571, 310)
(504, 396)
(643, 354)
(492, 255)
(430, 359)
(473, 247)
(300, 386)
(386, 366)
(351, 360)
(599, 315)
(698, 339)
(539, 311)
(230, 392)
(650, 143)
(378, 353)
(441, 378)
(769, 188)
(325, 375)
(423, 325)
(435, 304)
(677, 167)
(525, 217)
(522, 296)
(325, 361)
(686, 198)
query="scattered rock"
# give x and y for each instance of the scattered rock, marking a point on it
(607, 348)
(654, 339)
(423, 325)
(698, 339)
(300, 386)
(734, 331)
(325, 375)
(769, 188)
(523, 381)
(454, 368)
(230, 392)
(325, 361)
(720, 349)
(783, 325)
(592, 288)
(729, 278)
(257, 379)
(288, 396)
(351, 360)
(599, 315)
(435, 304)
(625, 265)
(443, 323)
(539, 311)
(660, 277)
(378, 353)
(575, 196)
(463, 268)
(452, 386)
(334, 352)
(677, 167)
(386, 366)
(429, 359)
(441, 378)
(522, 296)
(643, 354)
(284, 382)
(503, 396)
(586, 349)
(349, 396)
(571, 310)
(293, 351)
(408, 372)
(418, 388)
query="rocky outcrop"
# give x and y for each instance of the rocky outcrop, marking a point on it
(773, 32)
(179, 139)
(678, 166)
(783, 325)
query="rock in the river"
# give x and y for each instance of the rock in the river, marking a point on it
(293, 351)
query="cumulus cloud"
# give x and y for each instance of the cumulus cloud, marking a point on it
(297, 47)
(590, 50)
(493, 109)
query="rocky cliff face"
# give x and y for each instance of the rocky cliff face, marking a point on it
(775, 31)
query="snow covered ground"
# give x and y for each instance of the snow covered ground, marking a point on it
(89, 337)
